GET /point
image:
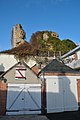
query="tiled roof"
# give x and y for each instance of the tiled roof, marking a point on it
(57, 67)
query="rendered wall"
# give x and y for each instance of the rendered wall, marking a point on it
(7, 61)
(29, 74)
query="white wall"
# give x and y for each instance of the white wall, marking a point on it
(30, 63)
(78, 54)
(7, 61)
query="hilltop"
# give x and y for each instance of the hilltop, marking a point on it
(48, 42)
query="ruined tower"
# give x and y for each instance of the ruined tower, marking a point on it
(18, 35)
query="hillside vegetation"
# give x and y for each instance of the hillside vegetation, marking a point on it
(47, 42)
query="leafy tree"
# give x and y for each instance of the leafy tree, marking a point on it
(50, 43)
(67, 45)
(35, 41)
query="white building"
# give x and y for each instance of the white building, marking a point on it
(72, 58)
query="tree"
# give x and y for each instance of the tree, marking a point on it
(67, 45)
(44, 41)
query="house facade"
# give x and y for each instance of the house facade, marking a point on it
(10, 57)
(72, 58)
(23, 90)
(60, 83)
(56, 89)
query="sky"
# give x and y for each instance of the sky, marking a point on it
(60, 16)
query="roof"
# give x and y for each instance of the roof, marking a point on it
(71, 52)
(57, 67)
(23, 49)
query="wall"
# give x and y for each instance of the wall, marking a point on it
(7, 61)
(30, 77)
(3, 94)
(78, 54)
(78, 88)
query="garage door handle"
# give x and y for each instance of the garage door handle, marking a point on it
(22, 98)
(63, 90)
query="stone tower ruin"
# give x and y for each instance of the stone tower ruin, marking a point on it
(18, 35)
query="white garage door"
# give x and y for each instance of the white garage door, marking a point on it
(23, 99)
(54, 95)
(61, 95)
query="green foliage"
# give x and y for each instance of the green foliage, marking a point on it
(67, 45)
(44, 41)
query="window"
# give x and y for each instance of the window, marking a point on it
(20, 72)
